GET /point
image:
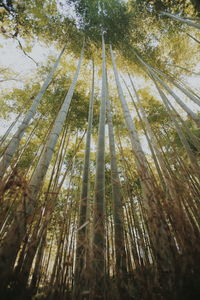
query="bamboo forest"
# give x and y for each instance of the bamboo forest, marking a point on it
(99, 150)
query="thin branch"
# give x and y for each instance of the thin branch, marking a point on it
(21, 47)
(192, 37)
(182, 68)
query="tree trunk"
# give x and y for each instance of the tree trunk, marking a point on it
(177, 99)
(152, 195)
(43, 164)
(116, 203)
(147, 131)
(194, 39)
(182, 89)
(4, 137)
(14, 143)
(99, 251)
(177, 18)
(16, 232)
(82, 251)
(182, 137)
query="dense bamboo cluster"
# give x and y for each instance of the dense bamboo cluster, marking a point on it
(130, 233)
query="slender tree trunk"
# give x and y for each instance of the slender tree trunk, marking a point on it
(14, 143)
(183, 139)
(184, 69)
(117, 198)
(158, 230)
(177, 18)
(174, 207)
(177, 99)
(15, 235)
(192, 37)
(117, 207)
(147, 130)
(189, 88)
(43, 164)
(2, 140)
(99, 251)
(82, 251)
(37, 268)
(182, 89)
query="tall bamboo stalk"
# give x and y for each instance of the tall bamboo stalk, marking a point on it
(98, 272)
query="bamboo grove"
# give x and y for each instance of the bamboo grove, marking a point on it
(93, 215)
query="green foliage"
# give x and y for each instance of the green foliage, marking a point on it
(128, 25)
(156, 113)
(159, 5)
(27, 159)
(109, 17)
(30, 19)
(194, 131)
